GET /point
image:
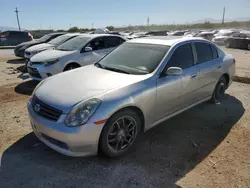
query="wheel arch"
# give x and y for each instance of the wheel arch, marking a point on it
(226, 76)
(69, 64)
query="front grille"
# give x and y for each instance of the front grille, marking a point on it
(55, 142)
(45, 110)
(34, 72)
(36, 63)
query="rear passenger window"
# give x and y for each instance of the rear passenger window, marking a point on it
(215, 52)
(112, 41)
(182, 57)
(204, 52)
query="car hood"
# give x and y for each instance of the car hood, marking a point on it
(50, 54)
(30, 43)
(38, 47)
(65, 90)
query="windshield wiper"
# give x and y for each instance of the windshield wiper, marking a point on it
(116, 70)
(99, 65)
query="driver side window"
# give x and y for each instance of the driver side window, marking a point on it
(182, 57)
(96, 44)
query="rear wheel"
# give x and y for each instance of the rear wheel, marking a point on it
(120, 133)
(71, 66)
(227, 44)
(248, 46)
(219, 90)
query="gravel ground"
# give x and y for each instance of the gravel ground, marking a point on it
(207, 146)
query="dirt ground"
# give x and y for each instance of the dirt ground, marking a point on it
(207, 146)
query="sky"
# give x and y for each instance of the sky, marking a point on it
(62, 14)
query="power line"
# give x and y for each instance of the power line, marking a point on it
(16, 11)
(223, 17)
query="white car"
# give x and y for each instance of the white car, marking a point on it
(31, 51)
(79, 51)
(222, 36)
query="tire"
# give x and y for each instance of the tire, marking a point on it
(71, 66)
(219, 90)
(227, 44)
(248, 46)
(115, 142)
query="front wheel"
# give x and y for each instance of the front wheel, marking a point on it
(248, 46)
(227, 44)
(120, 133)
(219, 90)
(71, 67)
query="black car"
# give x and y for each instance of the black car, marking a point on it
(19, 50)
(238, 40)
(13, 38)
(158, 33)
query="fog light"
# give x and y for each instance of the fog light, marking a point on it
(48, 74)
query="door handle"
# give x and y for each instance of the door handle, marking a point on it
(219, 67)
(193, 76)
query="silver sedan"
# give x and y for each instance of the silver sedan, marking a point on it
(106, 106)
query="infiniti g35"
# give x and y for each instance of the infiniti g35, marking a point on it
(104, 107)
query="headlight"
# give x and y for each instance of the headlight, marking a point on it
(38, 51)
(51, 62)
(82, 112)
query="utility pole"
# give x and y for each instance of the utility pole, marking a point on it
(148, 21)
(92, 25)
(223, 17)
(16, 11)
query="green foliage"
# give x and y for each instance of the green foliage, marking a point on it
(110, 28)
(74, 29)
(205, 25)
(79, 30)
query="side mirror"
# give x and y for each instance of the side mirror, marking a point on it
(88, 49)
(174, 71)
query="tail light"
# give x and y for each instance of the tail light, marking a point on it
(30, 35)
(234, 61)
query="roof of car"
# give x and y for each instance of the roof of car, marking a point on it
(163, 40)
(72, 34)
(99, 35)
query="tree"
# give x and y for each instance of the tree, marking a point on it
(110, 28)
(74, 29)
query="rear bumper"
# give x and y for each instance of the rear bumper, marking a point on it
(19, 53)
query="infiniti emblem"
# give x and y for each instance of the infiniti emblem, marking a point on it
(37, 107)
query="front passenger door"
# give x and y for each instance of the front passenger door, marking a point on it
(98, 51)
(177, 92)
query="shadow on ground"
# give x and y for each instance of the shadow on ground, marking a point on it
(16, 61)
(22, 68)
(26, 88)
(163, 156)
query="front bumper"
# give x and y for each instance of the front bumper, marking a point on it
(19, 53)
(42, 72)
(71, 141)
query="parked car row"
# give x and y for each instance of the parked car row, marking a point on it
(124, 88)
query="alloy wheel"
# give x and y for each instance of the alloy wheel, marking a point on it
(122, 134)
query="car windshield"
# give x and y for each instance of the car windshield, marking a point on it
(44, 38)
(74, 44)
(134, 58)
(61, 39)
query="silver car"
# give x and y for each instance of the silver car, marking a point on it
(104, 107)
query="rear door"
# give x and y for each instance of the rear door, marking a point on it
(112, 42)
(209, 65)
(177, 92)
